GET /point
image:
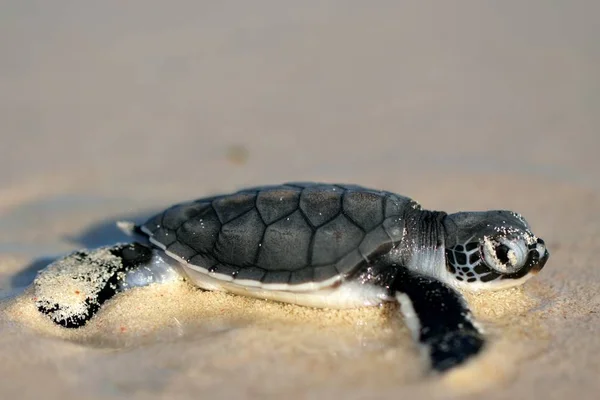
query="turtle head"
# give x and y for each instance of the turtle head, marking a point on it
(491, 250)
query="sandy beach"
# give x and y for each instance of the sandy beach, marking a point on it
(112, 110)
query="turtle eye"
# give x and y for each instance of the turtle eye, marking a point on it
(502, 251)
(503, 255)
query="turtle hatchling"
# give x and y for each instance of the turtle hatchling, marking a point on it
(317, 245)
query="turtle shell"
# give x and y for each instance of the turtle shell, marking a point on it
(291, 234)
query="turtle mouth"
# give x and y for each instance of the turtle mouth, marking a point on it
(541, 263)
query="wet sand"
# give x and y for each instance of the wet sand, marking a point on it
(113, 112)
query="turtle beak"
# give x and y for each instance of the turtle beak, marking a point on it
(544, 255)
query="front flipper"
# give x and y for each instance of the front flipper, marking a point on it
(72, 289)
(438, 318)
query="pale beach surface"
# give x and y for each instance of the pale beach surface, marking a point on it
(114, 110)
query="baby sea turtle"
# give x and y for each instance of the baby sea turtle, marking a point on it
(318, 245)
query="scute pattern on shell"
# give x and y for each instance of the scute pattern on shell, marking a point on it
(293, 233)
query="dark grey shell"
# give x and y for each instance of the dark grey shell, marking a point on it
(291, 234)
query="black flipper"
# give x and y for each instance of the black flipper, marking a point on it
(72, 289)
(438, 318)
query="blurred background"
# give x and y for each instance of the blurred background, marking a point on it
(221, 94)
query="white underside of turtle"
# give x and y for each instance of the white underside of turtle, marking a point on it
(329, 294)
(316, 245)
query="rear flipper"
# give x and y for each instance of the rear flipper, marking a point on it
(439, 320)
(72, 289)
